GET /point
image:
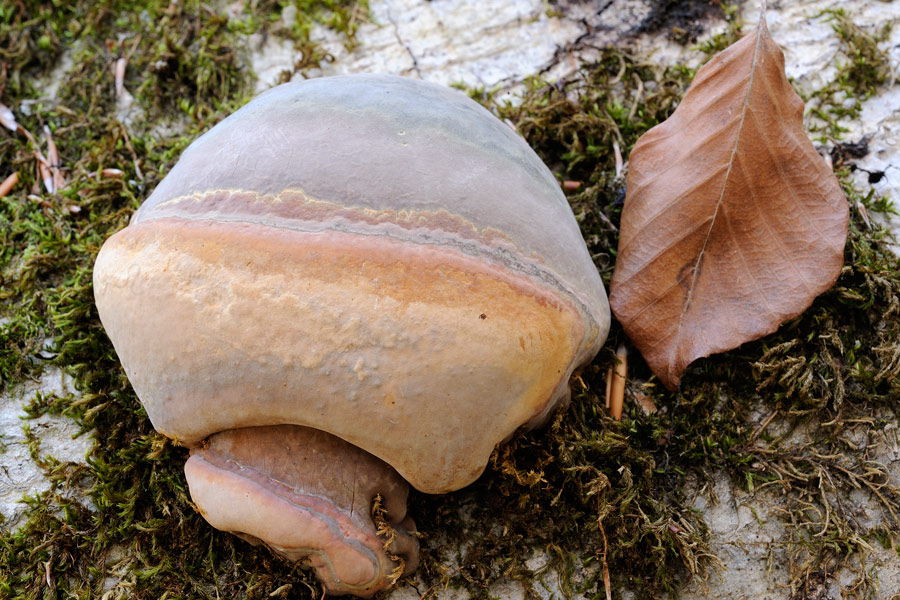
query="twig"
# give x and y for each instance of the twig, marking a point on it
(637, 96)
(8, 184)
(119, 71)
(618, 154)
(617, 387)
(53, 161)
(281, 590)
(112, 173)
(44, 171)
(27, 134)
(762, 427)
(623, 66)
(861, 209)
(134, 159)
(606, 581)
(7, 118)
(609, 377)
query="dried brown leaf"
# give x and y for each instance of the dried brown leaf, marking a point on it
(732, 223)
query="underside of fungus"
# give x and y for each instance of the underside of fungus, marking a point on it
(309, 495)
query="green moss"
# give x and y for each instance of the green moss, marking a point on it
(587, 490)
(864, 66)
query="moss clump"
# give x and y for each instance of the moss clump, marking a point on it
(863, 68)
(867, 65)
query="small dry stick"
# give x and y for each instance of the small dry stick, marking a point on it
(617, 387)
(113, 173)
(42, 166)
(620, 164)
(8, 184)
(135, 160)
(119, 74)
(864, 214)
(637, 96)
(27, 134)
(44, 171)
(53, 161)
(756, 433)
(609, 377)
(606, 220)
(578, 378)
(7, 118)
(281, 590)
(52, 151)
(606, 581)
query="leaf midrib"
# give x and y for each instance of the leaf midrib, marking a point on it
(740, 130)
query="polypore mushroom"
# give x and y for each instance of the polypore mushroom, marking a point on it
(348, 283)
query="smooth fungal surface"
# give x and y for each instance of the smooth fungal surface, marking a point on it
(376, 341)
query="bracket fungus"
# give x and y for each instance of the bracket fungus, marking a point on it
(326, 292)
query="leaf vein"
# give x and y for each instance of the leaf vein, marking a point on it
(701, 111)
(662, 251)
(688, 152)
(784, 253)
(751, 80)
(788, 186)
(747, 269)
(669, 205)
